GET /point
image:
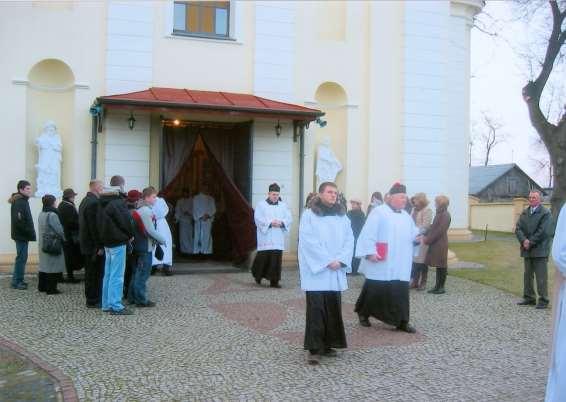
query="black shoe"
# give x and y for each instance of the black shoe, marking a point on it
(433, 290)
(406, 327)
(124, 311)
(364, 321)
(168, 271)
(20, 286)
(275, 285)
(329, 352)
(146, 304)
(54, 292)
(541, 305)
(95, 305)
(526, 302)
(313, 359)
(439, 291)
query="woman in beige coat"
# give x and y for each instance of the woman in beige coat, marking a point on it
(422, 215)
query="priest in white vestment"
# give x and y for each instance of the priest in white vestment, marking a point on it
(386, 246)
(184, 217)
(160, 210)
(556, 384)
(204, 209)
(273, 221)
(326, 243)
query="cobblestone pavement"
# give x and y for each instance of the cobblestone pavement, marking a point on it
(21, 380)
(221, 337)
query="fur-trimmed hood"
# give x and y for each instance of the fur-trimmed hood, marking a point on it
(318, 208)
(15, 196)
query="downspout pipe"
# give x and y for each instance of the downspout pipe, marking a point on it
(301, 168)
(95, 113)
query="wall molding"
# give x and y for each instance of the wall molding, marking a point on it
(49, 88)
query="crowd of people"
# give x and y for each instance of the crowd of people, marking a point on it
(116, 236)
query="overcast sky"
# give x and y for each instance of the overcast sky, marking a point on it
(498, 75)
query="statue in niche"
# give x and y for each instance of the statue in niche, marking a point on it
(49, 162)
(327, 164)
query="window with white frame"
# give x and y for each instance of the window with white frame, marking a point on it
(202, 18)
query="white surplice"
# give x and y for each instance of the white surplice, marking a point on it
(323, 239)
(399, 231)
(160, 210)
(272, 238)
(184, 215)
(556, 384)
(203, 205)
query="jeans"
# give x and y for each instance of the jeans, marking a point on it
(137, 293)
(113, 282)
(20, 262)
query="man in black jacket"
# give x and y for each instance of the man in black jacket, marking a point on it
(91, 245)
(70, 220)
(23, 231)
(533, 233)
(116, 231)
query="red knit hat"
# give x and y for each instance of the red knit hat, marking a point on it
(134, 196)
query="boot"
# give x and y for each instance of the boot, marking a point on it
(423, 278)
(441, 273)
(437, 285)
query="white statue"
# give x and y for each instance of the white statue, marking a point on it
(327, 165)
(49, 162)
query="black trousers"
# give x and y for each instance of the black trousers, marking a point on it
(47, 282)
(94, 272)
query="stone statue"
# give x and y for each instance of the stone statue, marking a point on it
(327, 165)
(49, 162)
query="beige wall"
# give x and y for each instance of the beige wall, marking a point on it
(497, 216)
(27, 100)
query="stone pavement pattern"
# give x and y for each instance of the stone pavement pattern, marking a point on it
(221, 337)
(21, 380)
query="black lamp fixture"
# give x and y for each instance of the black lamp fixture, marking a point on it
(131, 121)
(321, 123)
(278, 129)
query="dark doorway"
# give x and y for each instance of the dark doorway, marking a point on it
(215, 156)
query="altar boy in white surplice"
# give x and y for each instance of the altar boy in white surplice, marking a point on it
(273, 221)
(204, 209)
(556, 385)
(326, 244)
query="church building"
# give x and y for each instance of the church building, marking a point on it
(236, 95)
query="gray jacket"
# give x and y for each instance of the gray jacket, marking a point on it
(146, 215)
(49, 222)
(535, 227)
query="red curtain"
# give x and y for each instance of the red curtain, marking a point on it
(202, 167)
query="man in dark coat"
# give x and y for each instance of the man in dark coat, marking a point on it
(357, 220)
(23, 231)
(116, 232)
(437, 239)
(69, 217)
(91, 245)
(533, 233)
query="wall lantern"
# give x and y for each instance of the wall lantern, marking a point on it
(278, 129)
(131, 121)
(176, 122)
(321, 123)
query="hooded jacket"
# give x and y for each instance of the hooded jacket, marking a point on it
(22, 221)
(116, 226)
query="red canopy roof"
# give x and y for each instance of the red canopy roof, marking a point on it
(210, 101)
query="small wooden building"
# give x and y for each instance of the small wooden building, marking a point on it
(500, 183)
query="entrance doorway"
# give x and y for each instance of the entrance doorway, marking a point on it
(212, 158)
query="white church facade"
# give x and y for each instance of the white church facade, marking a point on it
(384, 83)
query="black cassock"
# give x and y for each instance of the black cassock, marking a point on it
(324, 327)
(388, 301)
(267, 264)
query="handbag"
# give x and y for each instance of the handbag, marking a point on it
(51, 243)
(159, 253)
